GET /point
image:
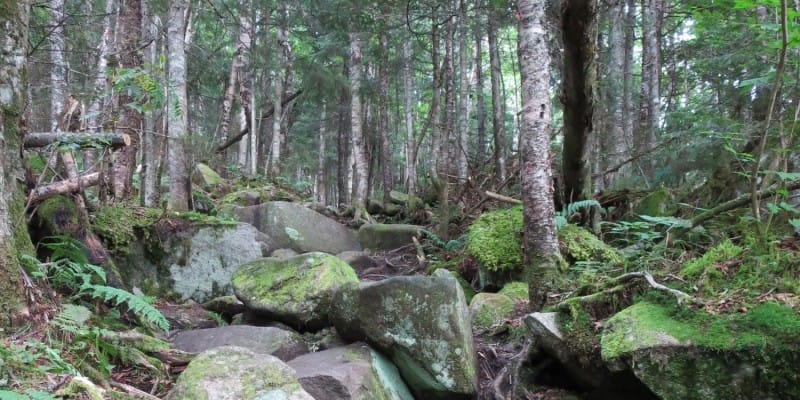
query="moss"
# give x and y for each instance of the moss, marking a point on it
(119, 226)
(579, 245)
(515, 290)
(494, 239)
(489, 309)
(657, 203)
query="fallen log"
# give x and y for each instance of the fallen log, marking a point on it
(71, 185)
(266, 114)
(80, 139)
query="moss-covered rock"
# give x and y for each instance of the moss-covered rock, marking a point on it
(490, 309)
(657, 203)
(297, 291)
(697, 355)
(382, 237)
(236, 373)
(206, 177)
(422, 323)
(469, 292)
(517, 291)
(579, 245)
(494, 239)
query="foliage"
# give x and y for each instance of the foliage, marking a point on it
(494, 239)
(563, 215)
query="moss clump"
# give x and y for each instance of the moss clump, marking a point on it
(489, 309)
(515, 290)
(656, 204)
(494, 239)
(579, 245)
(119, 226)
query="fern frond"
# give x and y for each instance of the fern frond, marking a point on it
(146, 312)
(572, 208)
(72, 318)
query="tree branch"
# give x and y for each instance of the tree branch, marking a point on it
(266, 114)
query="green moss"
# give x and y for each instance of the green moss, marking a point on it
(657, 203)
(489, 309)
(494, 239)
(119, 226)
(515, 290)
(579, 245)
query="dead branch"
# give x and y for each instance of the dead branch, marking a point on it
(66, 186)
(500, 197)
(81, 139)
(740, 202)
(266, 114)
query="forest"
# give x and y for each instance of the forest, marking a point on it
(463, 199)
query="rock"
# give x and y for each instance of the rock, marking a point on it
(737, 356)
(297, 291)
(188, 315)
(294, 226)
(359, 260)
(422, 323)
(283, 254)
(354, 372)
(225, 305)
(195, 263)
(490, 309)
(235, 373)
(382, 237)
(280, 343)
(206, 177)
(469, 292)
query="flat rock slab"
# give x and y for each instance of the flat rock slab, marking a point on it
(280, 343)
(354, 372)
(381, 237)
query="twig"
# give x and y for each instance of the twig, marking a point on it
(500, 197)
(420, 252)
(652, 282)
(133, 391)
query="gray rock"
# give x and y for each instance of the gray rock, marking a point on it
(382, 237)
(195, 263)
(297, 291)
(354, 372)
(226, 305)
(235, 373)
(422, 324)
(206, 177)
(359, 260)
(280, 343)
(294, 226)
(283, 254)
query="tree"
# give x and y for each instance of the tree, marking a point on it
(650, 105)
(360, 166)
(14, 238)
(282, 39)
(498, 104)
(542, 255)
(178, 161)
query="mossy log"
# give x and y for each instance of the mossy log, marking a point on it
(81, 139)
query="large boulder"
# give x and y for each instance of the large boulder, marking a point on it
(422, 323)
(235, 373)
(354, 372)
(695, 356)
(206, 177)
(382, 237)
(280, 343)
(297, 291)
(195, 262)
(490, 309)
(294, 226)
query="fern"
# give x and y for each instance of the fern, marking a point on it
(72, 318)
(140, 307)
(572, 208)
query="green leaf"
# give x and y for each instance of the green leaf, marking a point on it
(672, 222)
(8, 395)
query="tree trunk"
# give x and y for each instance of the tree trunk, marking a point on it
(480, 112)
(446, 151)
(59, 67)
(282, 41)
(14, 238)
(67, 186)
(613, 142)
(650, 106)
(498, 104)
(464, 98)
(356, 133)
(579, 31)
(628, 103)
(434, 117)
(244, 43)
(321, 187)
(227, 106)
(151, 137)
(408, 109)
(130, 120)
(111, 139)
(383, 109)
(178, 159)
(540, 239)
(344, 155)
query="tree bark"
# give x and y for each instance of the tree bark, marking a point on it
(356, 133)
(343, 145)
(282, 41)
(244, 45)
(410, 174)
(14, 238)
(613, 142)
(59, 68)
(579, 31)
(540, 239)
(383, 110)
(465, 105)
(71, 185)
(130, 120)
(178, 160)
(498, 104)
(321, 188)
(150, 193)
(480, 111)
(83, 140)
(650, 106)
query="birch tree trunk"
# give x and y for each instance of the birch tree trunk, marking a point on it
(498, 104)
(244, 45)
(356, 133)
(540, 239)
(464, 98)
(227, 106)
(178, 160)
(434, 118)
(282, 41)
(14, 238)
(343, 145)
(130, 121)
(410, 174)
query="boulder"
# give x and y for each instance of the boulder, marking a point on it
(206, 177)
(188, 315)
(283, 254)
(297, 291)
(294, 226)
(225, 305)
(354, 372)
(195, 262)
(359, 260)
(489, 309)
(235, 373)
(381, 237)
(740, 356)
(280, 343)
(422, 324)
